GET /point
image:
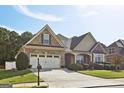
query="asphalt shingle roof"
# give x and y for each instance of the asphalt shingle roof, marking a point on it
(118, 43)
(76, 40)
(99, 48)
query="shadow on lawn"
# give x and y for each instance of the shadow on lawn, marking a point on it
(12, 73)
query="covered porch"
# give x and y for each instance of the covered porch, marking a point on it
(81, 58)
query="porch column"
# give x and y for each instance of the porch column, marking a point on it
(63, 59)
(92, 57)
(75, 57)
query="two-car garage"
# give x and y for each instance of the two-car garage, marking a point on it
(45, 60)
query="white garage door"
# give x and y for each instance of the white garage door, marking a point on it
(47, 61)
(33, 60)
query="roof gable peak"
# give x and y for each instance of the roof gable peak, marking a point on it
(77, 39)
(99, 44)
(42, 30)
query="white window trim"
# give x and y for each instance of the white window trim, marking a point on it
(79, 57)
(101, 58)
(48, 38)
(112, 50)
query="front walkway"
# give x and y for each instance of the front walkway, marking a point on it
(63, 78)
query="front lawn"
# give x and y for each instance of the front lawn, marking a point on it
(14, 76)
(108, 74)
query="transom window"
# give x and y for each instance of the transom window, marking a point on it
(46, 39)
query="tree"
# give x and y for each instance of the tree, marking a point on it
(4, 38)
(26, 36)
(10, 43)
(13, 45)
(116, 60)
(22, 61)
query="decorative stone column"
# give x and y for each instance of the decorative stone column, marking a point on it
(63, 59)
(75, 55)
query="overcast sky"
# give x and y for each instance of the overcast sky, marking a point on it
(106, 23)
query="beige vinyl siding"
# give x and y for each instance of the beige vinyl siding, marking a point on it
(86, 44)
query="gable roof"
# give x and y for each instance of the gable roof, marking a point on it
(76, 40)
(66, 41)
(122, 42)
(118, 43)
(96, 48)
(50, 30)
(62, 37)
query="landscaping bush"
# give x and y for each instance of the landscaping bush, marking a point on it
(75, 67)
(115, 67)
(107, 67)
(22, 61)
(86, 66)
(98, 66)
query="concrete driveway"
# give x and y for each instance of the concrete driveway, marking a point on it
(64, 78)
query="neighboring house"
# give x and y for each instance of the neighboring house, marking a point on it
(115, 49)
(55, 51)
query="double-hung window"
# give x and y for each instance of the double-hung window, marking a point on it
(99, 58)
(80, 59)
(112, 50)
(46, 39)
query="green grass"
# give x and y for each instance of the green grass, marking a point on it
(14, 76)
(108, 74)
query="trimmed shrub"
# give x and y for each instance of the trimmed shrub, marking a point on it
(115, 67)
(107, 67)
(75, 67)
(98, 66)
(22, 61)
(86, 66)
